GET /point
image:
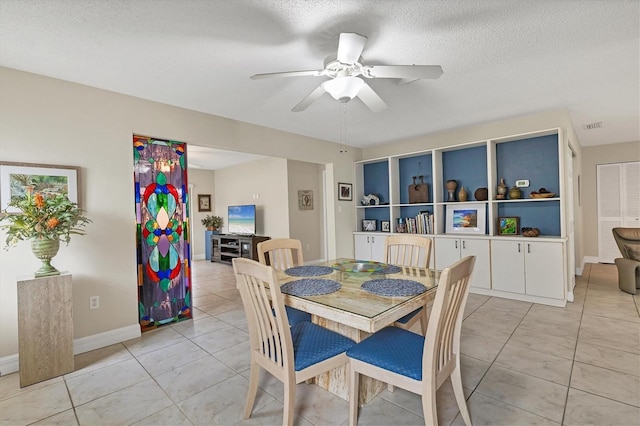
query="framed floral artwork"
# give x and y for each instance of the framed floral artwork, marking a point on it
(18, 178)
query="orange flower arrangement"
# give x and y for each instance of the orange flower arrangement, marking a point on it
(51, 217)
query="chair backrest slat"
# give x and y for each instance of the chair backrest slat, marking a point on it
(280, 253)
(411, 251)
(263, 302)
(441, 347)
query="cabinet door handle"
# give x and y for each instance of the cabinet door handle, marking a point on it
(456, 244)
(368, 240)
(464, 245)
(518, 247)
(528, 248)
(373, 240)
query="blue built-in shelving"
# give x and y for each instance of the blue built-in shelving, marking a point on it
(467, 166)
(419, 165)
(535, 159)
(376, 180)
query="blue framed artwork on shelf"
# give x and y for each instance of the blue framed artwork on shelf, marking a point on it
(467, 218)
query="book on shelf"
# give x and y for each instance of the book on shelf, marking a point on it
(420, 224)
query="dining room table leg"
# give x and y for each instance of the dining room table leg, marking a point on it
(336, 381)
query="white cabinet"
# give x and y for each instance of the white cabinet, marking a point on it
(534, 268)
(450, 250)
(369, 246)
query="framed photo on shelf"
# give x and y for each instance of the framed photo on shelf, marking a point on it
(18, 178)
(204, 202)
(467, 218)
(509, 225)
(385, 226)
(369, 225)
(345, 191)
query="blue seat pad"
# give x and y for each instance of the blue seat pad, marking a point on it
(392, 349)
(296, 315)
(313, 343)
(405, 319)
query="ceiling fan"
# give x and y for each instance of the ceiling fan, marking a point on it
(345, 71)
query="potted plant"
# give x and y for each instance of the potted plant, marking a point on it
(213, 223)
(45, 220)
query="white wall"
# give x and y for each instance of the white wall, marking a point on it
(45, 120)
(267, 180)
(203, 182)
(594, 155)
(306, 225)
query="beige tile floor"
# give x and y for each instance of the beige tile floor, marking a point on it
(523, 364)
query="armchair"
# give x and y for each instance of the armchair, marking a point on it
(628, 240)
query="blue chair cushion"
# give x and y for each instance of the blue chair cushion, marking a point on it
(405, 319)
(313, 344)
(392, 349)
(296, 315)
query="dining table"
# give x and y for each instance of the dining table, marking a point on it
(356, 298)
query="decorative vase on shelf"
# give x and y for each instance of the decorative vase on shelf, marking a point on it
(45, 250)
(462, 195)
(515, 193)
(481, 194)
(501, 190)
(451, 186)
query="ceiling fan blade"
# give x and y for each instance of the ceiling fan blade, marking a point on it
(309, 99)
(350, 47)
(371, 99)
(313, 73)
(402, 71)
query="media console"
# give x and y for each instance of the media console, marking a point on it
(224, 248)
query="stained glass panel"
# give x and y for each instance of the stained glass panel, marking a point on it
(162, 217)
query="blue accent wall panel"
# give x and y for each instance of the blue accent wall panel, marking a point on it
(376, 180)
(468, 167)
(535, 159)
(415, 166)
(544, 215)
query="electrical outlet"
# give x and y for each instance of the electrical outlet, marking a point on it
(94, 302)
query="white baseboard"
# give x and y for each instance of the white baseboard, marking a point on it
(199, 256)
(101, 340)
(11, 364)
(590, 259)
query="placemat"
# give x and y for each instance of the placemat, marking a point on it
(394, 287)
(310, 287)
(308, 271)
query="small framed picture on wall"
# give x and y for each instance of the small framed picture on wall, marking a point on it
(204, 203)
(344, 192)
(385, 226)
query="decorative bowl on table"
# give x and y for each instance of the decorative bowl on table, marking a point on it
(359, 266)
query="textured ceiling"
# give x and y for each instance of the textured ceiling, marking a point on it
(500, 59)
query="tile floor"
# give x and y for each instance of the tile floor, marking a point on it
(523, 364)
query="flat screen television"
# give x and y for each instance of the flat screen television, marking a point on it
(241, 220)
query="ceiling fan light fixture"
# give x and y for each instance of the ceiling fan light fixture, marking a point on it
(343, 89)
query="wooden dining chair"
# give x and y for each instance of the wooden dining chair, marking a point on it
(416, 363)
(409, 252)
(291, 354)
(282, 254)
